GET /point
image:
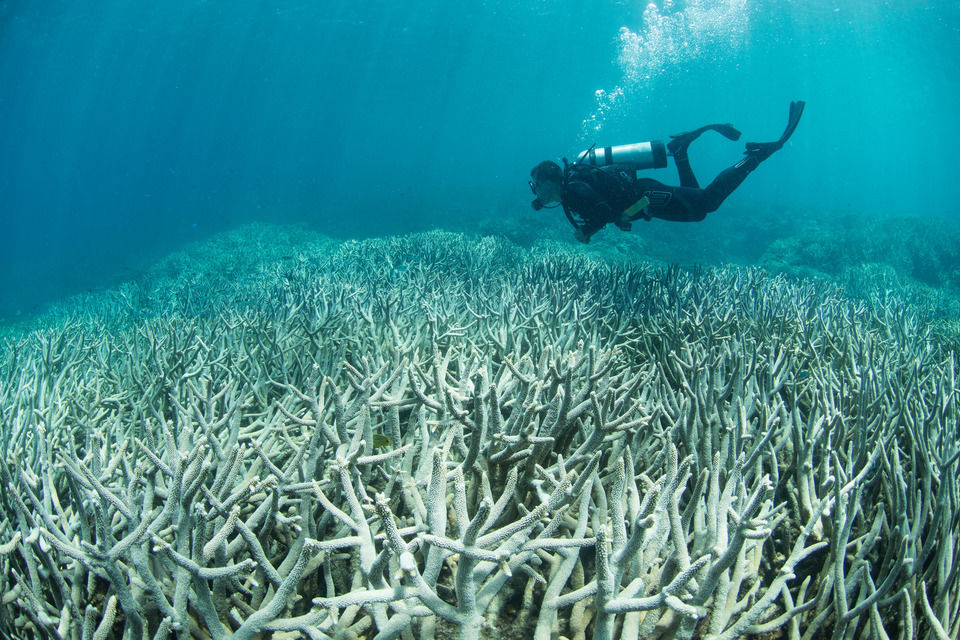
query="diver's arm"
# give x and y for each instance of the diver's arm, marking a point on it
(588, 204)
(590, 226)
(593, 209)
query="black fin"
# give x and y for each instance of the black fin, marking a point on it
(763, 150)
(681, 141)
(796, 110)
(728, 131)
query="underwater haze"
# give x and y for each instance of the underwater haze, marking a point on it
(286, 352)
(128, 129)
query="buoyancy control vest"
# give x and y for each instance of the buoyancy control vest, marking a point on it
(614, 183)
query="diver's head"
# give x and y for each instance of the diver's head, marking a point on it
(546, 184)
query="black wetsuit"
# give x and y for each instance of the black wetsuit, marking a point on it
(595, 196)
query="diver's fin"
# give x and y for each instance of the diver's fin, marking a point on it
(796, 110)
(681, 141)
(728, 131)
(763, 150)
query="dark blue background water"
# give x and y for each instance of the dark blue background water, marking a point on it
(128, 128)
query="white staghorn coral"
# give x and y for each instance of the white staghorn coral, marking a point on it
(431, 435)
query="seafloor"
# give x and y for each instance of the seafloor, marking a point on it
(273, 434)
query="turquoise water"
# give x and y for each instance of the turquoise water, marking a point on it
(130, 128)
(214, 274)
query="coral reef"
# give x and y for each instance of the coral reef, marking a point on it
(919, 252)
(435, 435)
(916, 255)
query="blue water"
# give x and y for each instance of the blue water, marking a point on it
(128, 128)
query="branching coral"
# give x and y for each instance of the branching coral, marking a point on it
(427, 436)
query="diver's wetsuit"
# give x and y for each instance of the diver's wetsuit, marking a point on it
(596, 196)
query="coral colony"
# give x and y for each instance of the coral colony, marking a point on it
(436, 436)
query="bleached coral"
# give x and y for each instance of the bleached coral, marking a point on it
(429, 435)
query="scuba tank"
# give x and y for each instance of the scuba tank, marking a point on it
(640, 155)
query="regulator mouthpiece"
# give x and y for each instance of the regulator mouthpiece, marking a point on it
(640, 155)
(536, 204)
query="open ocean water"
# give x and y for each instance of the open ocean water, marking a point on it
(128, 129)
(285, 351)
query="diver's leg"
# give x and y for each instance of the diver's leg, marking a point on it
(704, 201)
(725, 184)
(687, 179)
(677, 204)
(678, 149)
(729, 179)
(691, 204)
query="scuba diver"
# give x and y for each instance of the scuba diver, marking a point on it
(601, 187)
